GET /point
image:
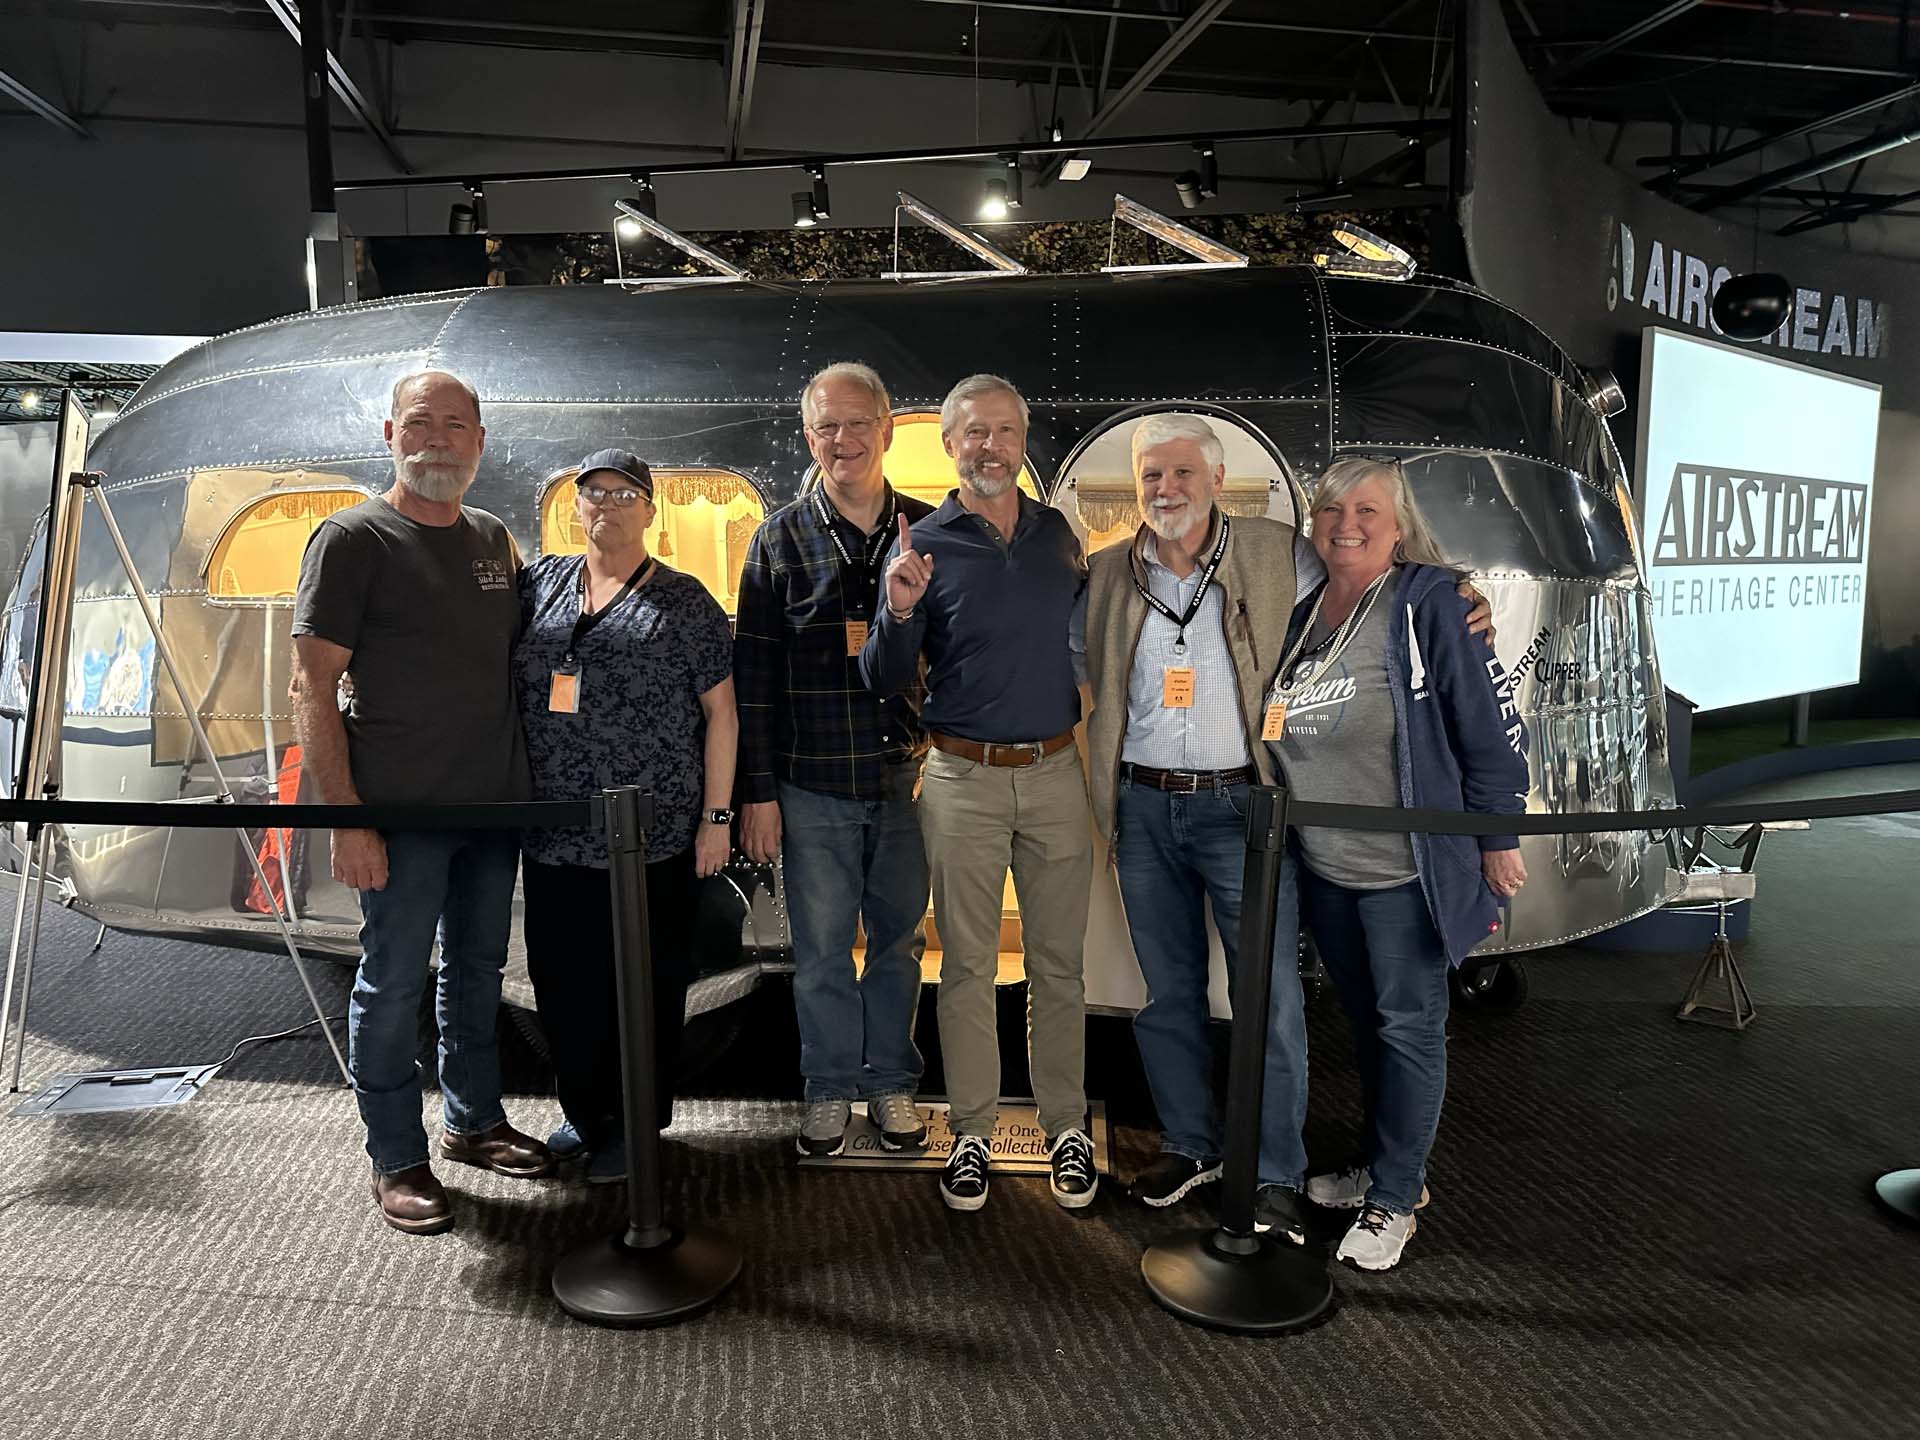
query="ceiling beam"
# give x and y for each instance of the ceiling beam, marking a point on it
(1678, 168)
(1868, 146)
(1665, 13)
(341, 83)
(743, 59)
(48, 111)
(1846, 212)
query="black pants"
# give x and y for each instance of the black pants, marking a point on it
(569, 929)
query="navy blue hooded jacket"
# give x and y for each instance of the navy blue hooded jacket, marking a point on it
(1459, 742)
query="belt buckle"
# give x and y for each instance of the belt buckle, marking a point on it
(1033, 749)
(1188, 782)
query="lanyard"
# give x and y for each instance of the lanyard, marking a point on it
(1199, 591)
(1339, 638)
(876, 545)
(583, 625)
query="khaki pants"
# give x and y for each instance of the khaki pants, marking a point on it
(979, 820)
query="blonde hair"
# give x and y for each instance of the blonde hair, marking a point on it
(862, 375)
(1343, 477)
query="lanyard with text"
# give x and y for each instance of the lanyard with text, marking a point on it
(876, 547)
(564, 696)
(1176, 683)
(1276, 718)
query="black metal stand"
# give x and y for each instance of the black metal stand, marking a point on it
(656, 1272)
(1233, 1277)
(1899, 1191)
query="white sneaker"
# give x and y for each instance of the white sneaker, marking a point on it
(1347, 1189)
(1376, 1239)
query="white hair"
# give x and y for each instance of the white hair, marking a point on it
(1341, 478)
(1159, 429)
(416, 376)
(862, 375)
(973, 385)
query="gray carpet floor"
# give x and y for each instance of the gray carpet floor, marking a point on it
(1639, 1228)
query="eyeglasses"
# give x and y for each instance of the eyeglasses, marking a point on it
(855, 429)
(595, 496)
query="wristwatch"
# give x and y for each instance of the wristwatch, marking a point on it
(719, 817)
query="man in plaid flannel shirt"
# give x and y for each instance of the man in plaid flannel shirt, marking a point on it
(830, 768)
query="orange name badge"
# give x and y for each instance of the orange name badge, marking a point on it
(564, 696)
(1275, 725)
(856, 636)
(1176, 688)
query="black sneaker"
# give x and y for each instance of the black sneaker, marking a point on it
(1074, 1180)
(1277, 1210)
(1167, 1180)
(963, 1184)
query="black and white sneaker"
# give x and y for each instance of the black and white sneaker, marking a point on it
(1074, 1180)
(963, 1184)
(1276, 1210)
(1168, 1180)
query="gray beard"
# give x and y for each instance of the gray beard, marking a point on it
(984, 488)
(1164, 525)
(435, 482)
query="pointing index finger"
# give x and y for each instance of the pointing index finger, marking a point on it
(906, 535)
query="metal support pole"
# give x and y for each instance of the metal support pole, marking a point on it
(27, 859)
(33, 949)
(655, 1272)
(1233, 1277)
(1802, 718)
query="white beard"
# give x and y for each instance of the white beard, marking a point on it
(434, 479)
(1175, 527)
(980, 485)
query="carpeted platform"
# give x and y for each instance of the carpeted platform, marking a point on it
(1639, 1228)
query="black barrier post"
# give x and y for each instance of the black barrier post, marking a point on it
(656, 1272)
(1233, 1277)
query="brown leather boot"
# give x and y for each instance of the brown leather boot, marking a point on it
(413, 1200)
(503, 1150)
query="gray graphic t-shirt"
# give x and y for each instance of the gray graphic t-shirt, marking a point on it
(1339, 746)
(430, 614)
(642, 671)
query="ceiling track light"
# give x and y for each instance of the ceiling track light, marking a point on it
(643, 200)
(993, 200)
(30, 400)
(803, 218)
(1014, 196)
(818, 198)
(1197, 186)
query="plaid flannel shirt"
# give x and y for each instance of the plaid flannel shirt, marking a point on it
(805, 716)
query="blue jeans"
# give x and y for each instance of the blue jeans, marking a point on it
(1384, 955)
(847, 861)
(1173, 852)
(460, 887)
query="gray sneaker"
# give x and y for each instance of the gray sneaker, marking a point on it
(898, 1122)
(824, 1130)
(1344, 1189)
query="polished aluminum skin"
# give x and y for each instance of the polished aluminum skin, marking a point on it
(1512, 466)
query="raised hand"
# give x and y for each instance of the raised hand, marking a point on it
(908, 574)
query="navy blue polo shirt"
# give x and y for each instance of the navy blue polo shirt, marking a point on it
(992, 625)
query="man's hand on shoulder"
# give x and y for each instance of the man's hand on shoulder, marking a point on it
(1480, 617)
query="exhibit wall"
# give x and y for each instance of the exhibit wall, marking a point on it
(1586, 252)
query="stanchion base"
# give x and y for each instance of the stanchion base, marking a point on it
(611, 1283)
(1899, 1191)
(1275, 1288)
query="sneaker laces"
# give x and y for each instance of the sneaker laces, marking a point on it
(1374, 1220)
(1072, 1156)
(969, 1160)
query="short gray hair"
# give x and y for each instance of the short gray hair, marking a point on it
(967, 389)
(859, 374)
(416, 376)
(1159, 429)
(1343, 477)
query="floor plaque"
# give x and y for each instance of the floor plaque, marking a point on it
(97, 1091)
(1019, 1144)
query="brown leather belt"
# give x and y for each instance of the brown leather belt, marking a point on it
(1186, 782)
(1023, 752)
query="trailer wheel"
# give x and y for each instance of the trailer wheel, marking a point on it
(1499, 988)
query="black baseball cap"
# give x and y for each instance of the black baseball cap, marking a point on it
(621, 462)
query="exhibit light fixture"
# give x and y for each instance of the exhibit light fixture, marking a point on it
(1075, 167)
(818, 198)
(30, 400)
(1196, 186)
(1364, 255)
(803, 210)
(460, 218)
(105, 407)
(644, 201)
(993, 203)
(1015, 190)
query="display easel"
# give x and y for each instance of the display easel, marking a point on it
(41, 764)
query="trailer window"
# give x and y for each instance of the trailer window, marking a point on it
(256, 559)
(1097, 493)
(703, 519)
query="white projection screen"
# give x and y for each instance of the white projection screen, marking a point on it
(1756, 488)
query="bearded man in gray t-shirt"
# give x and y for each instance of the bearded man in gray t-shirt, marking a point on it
(412, 595)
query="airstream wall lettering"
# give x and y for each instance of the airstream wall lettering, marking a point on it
(229, 456)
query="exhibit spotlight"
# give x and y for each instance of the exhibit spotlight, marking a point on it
(821, 209)
(469, 216)
(1197, 186)
(803, 210)
(105, 407)
(645, 201)
(30, 400)
(1015, 196)
(993, 202)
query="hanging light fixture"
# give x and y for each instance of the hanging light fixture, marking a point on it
(993, 204)
(1015, 198)
(803, 210)
(645, 201)
(30, 400)
(821, 209)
